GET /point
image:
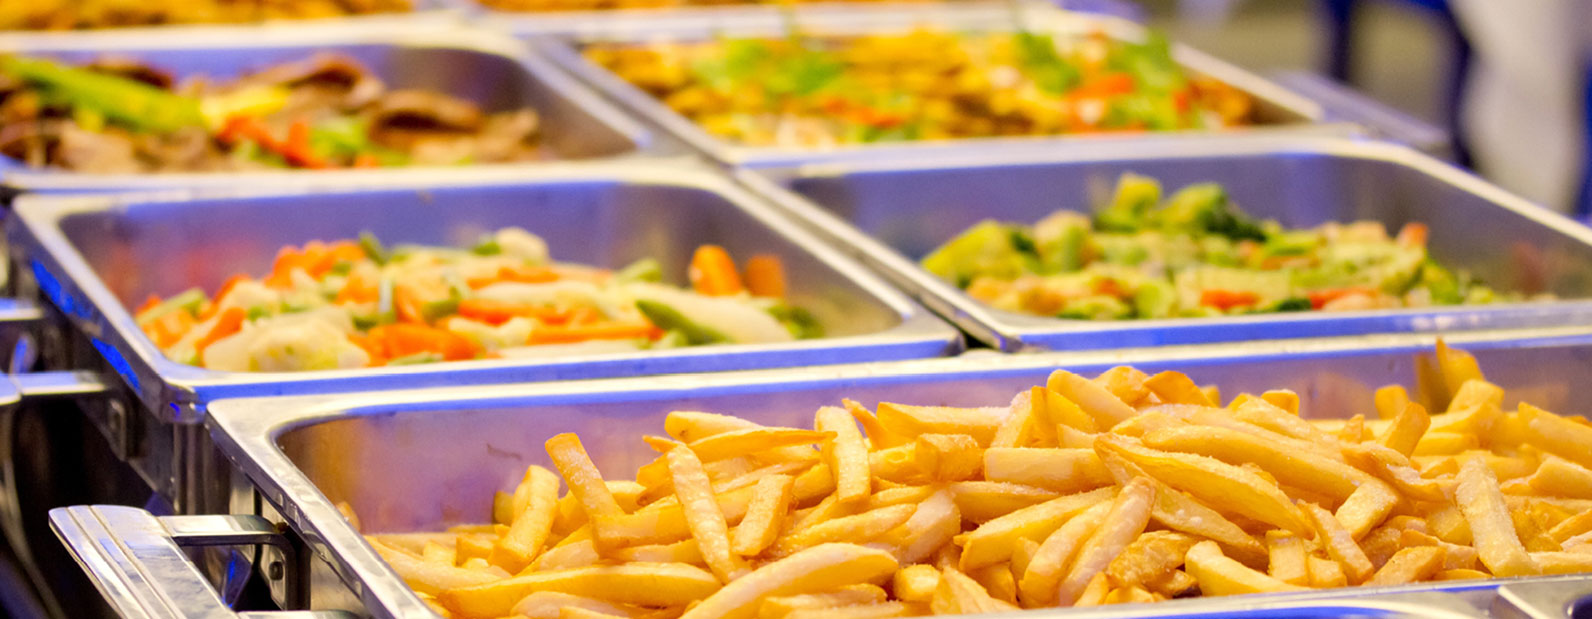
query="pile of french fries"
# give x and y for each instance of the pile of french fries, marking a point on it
(1121, 489)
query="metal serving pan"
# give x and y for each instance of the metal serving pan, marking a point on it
(92, 256)
(493, 70)
(422, 11)
(1277, 109)
(423, 460)
(892, 212)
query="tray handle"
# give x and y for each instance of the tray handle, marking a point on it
(1543, 600)
(136, 560)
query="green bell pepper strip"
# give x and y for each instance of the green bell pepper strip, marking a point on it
(129, 102)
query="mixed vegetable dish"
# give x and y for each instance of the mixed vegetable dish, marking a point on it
(1195, 254)
(86, 14)
(612, 5)
(327, 111)
(355, 303)
(925, 85)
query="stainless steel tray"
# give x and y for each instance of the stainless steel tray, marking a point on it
(421, 460)
(488, 68)
(891, 212)
(423, 11)
(1277, 109)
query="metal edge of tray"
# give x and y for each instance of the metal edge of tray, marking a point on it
(643, 141)
(529, 23)
(247, 432)
(562, 49)
(1013, 332)
(424, 12)
(178, 392)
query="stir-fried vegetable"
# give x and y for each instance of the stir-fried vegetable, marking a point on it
(1194, 254)
(327, 112)
(357, 304)
(84, 14)
(802, 91)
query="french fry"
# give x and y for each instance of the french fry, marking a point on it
(1129, 595)
(1459, 575)
(858, 529)
(1445, 443)
(1288, 558)
(1061, 412)
(1391, 400)
(1219, 575)
(1267, 415)
(1149, 558)
(546, 605)
(881, 610)
(1048, 565)
(576, 612)
(899, 495)
(1353, 431)
(958, 593)
(1207, 478)
(1409, 425)
(1562, 562)
(1456, 366)
(1454, 555)
(1559, 477)
(1571, 527)
(1339, 543)
(1022, 555)
(898, 464)
(771, 499)
(849, 595)
(735, 443)
(641, 584)
(1174, 584)
(1448, 523)
(1180, 512)
(846, 453)
(1095, 593)
(1392, 467)
(580, 553)
(819, 568)
(992, 542)
(1104, 407)
(915, 583)
(702, 514)
(1061, 470)
(1176, 388)
(936, 520)
(427, 576)
(879, 437)
(1025, 426)
(910, 421)
(583, 479)
(684, 551)
(1326, 573)
(1367, 507)
(1409, 565)
(948, 457)
(1306, 470)
(1129, 515)
(998, 581)
(1126, 383)
(1284, 399)
(1482, 503)
(532, 524)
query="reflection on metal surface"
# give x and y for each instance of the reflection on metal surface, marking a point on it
(890, 212)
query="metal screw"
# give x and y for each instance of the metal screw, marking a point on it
(277, 570)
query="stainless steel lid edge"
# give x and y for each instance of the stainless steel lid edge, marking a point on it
(426, 12)
(247, 430)
(559, 45)
(176, 392)
(403, 33)
(1012, 332)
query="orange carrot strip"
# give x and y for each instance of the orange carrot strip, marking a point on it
(404, 339)
(230, 322)
(150, 303)
(713, 272)
(602, 331)
(765, 276)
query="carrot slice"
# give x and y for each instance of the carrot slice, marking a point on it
(1227, 299)
(356, 289)
(404, 339)
(230, 322)
(497, 312)
(713, 272)
(765, 276)
(1413, 234)
(604, 331)
(169, 328)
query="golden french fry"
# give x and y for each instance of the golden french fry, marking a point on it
(1062, 470)
(998, 581)
(1306, 470)
(1023, 554)
(958, 593)
(1367, 507)
(846, 453)
(1353, 431)
(915, 583)
(532, 524)
(1176, 388)
(1326, 573)
(857, 529)
(931, 526)
(473, 546)
(992, 542)
(583, 479)
(879, 437)
(1409, 565)
(1045, 569)
(1129, 595)
(1173, 584)
(1570, 527)
(910, 421)
(821, 568)
(1409, 425)
(882, 610)
(1267, 415)
(1129, 515)
(1219, 575)
(1476, 420)
(1456, 367)
(1460, 575)
(642, 584)
(1562, 562)
(437, 553)
(702, 514)
(1288, 558)
(1493, 530)
(750, 441)
(1445, 443)
(1475, 393)
(1104, 407)
(1095, 593)
(1126, 383)
(750, 478)
(1448, 523)
(1068, 437)
(948, 457)
(1559, 477)
(1392, 467)
(982, 501)
(898, 496)
(1284, 399)
(579, 553)
(546, 605)
(780, 606)
(684, 551)
(1212, 480)
(427, 576)
(1151, 557)
(1180, 512)
(771, 499)
(576, 612)
(1454, 556)
(1056, 410)
(1339, 544)
(898, 464)
(1391, 400)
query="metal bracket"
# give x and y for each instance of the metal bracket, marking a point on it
(136, 560)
